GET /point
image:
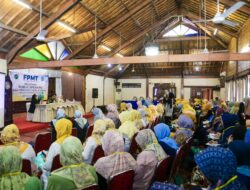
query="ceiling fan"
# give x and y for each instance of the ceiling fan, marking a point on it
(220, 18)
(41, 36)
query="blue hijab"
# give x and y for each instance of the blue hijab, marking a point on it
(162, 132)
(229, 119)
(219, 165)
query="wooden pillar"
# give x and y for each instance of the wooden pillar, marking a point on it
(84, 92)
(147, 87)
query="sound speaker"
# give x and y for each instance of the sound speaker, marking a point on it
(94, 92)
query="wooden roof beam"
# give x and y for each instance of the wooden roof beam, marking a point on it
(184, 38)
(15, 30)
(120, 20)
(156, 12)
(229, 3)
(223, 44)
(99, 18)
(193, 17)
(174, 58)
(64, 8)
(145, 31)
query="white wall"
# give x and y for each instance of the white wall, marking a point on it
(94, 81)
(129, 93)
(3, 69)
(3, 66)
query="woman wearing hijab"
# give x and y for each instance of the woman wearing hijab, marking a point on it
(34, 101)
(185, 125)
(115, 160)
(100, 126)
(152, 153)
(241, 114)
(219, 167)
(10, 136)
(143, 117)
(127, 128)
(113, 114)
(129, 106)
(123, 107)
(63, 130)
(98, 114)
(162, 133)
(169, 108)
(81, 124)
(74, 174)
(137, 119)
(59, 115)
(11, 177)
(110, 125)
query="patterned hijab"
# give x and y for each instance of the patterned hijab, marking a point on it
(63, 130)
(219, 166)
(100, 126)
(128, 128)
(125, 116)
(112, 111)
(10, 136)
(115, 160)
(110, 125)
(162, 132)
(81, 121)
(73, 168)
(148, 142)
(10, 168)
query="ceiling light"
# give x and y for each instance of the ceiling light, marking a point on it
(133, 70)
(106, 47)
(152, 49)
(120, 68)
(109, 65)
(70, 74)
(197, 68)
(95, 56)
(119, 54)
(23, 3)
(66, 26)
(215, 31)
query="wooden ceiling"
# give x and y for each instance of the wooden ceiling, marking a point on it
(125, 26)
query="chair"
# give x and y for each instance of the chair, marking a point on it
(99, 153)
(187, 147)
(163, 170)
(26, 167)
(122, 181)
(89, 131)
(42, 142)
(74, 132)
(176, 162)
(56, 163)
(92, 187)
(133, 146)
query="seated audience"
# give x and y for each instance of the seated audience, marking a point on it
(220, 173)
(137, 119)
(185, 126)
(10, 136)
(98, 114)
(147, 142)
(60, 114)
(239, 147)
(113, 114)
(74, 174)
(162, 133)
(63, 130)
(127, 128)
(94, 140)
(81, 124)
(11, 177)
(115, 160)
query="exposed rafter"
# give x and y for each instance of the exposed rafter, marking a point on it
(64, 8)
(209, 57)
(137, 8)
(15, 30)
(145, 31)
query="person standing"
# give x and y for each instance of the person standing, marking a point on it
(34, 101)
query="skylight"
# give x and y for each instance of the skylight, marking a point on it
(180, 30)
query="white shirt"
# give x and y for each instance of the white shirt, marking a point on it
(29, 154)
(89, 150)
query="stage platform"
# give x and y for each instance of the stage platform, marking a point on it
(27, 126)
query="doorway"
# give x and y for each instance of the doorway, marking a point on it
(201, 93)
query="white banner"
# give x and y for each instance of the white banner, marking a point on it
(25, 85)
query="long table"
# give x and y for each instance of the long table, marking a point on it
(46, 112)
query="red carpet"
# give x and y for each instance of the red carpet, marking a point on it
(27, 126)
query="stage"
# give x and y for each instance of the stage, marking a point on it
(27, 126)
